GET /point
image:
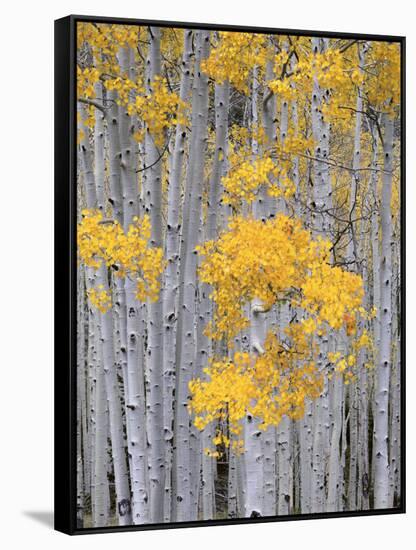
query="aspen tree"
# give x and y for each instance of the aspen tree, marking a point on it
(170, 302)
(185, 354)
(382, 390)
(238, 309)
(153, 204)
(105, 331)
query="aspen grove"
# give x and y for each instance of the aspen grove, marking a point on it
(238, 300)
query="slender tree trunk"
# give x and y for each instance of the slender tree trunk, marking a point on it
(334, 488)
(153, 205)
(285, 502)
(204, 345)
(318, 454)
(99, 151)
(322, 204)
(92, 359)
(81, 398)
(395, 429)
(105, 332)
(170, 293)
(186, 342)
(381, 421)
(114, 155)
(305, 459)
(100, 516)
(254, 457)
(253, 460)
(87, 163)
(353, 464)
(123, 504)
(128, 311)
(232, 495)
(352, 252)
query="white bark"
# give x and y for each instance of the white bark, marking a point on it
(395, 383)
(318, 454)
(99, 155)
(322, 192)
(134, 362)
(381, 421)
(128, 316)
(114, 155)
(334, 488)
(284, 449)
(321, 204)
(153, 205)
(253, 461)
(121, 474)
(89, 447)
(353, 431)
(204, 345)
(81, 397)
(232, 495)
(105, 332)
(305, 451)
(171, 288)
(100, 515)
(186, 343)
(375, 243)
(87, 162)
(352, 252)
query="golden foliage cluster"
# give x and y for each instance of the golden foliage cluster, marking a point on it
(128, 253)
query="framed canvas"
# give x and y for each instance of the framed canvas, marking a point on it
(229, 327)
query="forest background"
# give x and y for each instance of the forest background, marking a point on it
(36, 357)
(238, 294)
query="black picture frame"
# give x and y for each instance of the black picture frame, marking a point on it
(66, 265)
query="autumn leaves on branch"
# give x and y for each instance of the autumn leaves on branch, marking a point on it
(254, 261)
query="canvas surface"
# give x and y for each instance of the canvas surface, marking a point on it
(239, 268)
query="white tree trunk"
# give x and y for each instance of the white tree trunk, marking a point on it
(99, 154)
(305, 450)
(334, 488)
(114, 155)
(105, 332)
(353, 429)
(100, 515)
(284, 449)
(170, 292)
(253, 460)
(186, 343)
(381, 421)
(322, 203)
(81, 397)
(153, 205)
